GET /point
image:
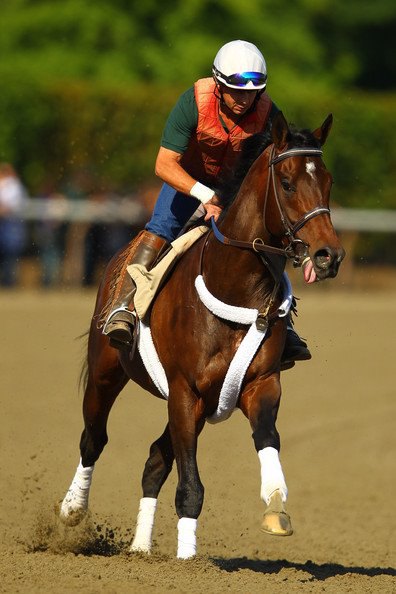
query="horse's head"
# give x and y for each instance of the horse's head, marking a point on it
(297, 203)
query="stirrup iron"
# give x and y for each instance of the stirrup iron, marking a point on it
(112, 314)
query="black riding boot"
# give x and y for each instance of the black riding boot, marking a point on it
(120, 323)
(295, 349)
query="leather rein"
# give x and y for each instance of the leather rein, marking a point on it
(297, 250)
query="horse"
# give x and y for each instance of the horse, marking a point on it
(279, 212)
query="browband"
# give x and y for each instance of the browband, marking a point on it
(309, 151)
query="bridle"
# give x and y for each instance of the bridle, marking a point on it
(293, 248)
(296, 249)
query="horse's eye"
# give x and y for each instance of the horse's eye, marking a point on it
(286, 186)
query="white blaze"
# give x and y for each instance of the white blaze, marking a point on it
(310, 168)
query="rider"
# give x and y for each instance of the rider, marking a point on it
(202, 139)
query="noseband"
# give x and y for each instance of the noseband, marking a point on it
(296, 250)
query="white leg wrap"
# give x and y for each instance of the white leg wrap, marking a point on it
(186, 539)
(272, 478)
(75, 504)
(144, 525)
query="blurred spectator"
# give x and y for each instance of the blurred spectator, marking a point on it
(103, 239)
(49, 236)
(12, 226)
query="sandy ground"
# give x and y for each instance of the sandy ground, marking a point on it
(338, 452)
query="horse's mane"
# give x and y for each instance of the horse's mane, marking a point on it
(252, 148)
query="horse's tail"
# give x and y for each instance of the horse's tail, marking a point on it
(83, 378)
(114, 272)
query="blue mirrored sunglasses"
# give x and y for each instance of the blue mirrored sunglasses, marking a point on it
(242, 79)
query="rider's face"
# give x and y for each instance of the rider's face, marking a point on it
(239, 101)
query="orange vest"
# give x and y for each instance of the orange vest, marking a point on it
(211, 149)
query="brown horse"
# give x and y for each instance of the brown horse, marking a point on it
(280, 211)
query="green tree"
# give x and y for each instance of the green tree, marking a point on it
(88, 85)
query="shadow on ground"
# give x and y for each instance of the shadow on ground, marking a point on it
(318, 572)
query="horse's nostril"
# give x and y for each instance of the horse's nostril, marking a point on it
(323, 258)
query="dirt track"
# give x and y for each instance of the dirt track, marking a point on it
(338, 453)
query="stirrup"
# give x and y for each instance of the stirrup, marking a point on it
(105, 330)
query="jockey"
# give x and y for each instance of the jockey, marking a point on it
(201, 140)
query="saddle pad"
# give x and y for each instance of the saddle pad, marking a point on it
(147, 282)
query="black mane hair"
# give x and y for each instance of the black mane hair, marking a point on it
(252, 148)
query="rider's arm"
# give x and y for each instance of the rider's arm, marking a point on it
(168, 168)
(180, 126)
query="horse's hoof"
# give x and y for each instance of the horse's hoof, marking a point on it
(70, 516)
(276, 521)
(277, 524)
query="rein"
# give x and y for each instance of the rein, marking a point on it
(258, 244)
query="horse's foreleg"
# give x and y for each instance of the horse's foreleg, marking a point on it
(75, 503)
(260, 404)
(186, 421)
(157, 468)
(276, 520)
(104, 384)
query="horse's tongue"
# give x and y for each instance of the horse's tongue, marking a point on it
(309, 272)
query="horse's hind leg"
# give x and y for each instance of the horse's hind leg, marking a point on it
(260, 404)
(156, 471)
(106, 379)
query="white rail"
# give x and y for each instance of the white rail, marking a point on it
(357, 219)
(130, 210)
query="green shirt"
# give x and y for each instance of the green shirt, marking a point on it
(181, 123)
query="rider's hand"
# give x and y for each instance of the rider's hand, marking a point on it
(213, 209)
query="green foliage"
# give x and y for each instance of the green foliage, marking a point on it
(48, 40)
(55, 133)
(27, 125)
(87, 86)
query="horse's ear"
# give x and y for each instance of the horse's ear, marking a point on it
(280, 131)
(322, 133)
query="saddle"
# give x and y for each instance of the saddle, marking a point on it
(148, 282)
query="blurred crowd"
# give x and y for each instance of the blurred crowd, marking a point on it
(57, 251)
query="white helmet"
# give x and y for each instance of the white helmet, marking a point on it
(240, 65)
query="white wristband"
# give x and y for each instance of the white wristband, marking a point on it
(203, 193)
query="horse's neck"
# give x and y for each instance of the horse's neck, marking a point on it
(238, 276)
(245, 216)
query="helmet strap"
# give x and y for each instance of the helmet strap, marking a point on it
(218, 93)
(258, 95)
